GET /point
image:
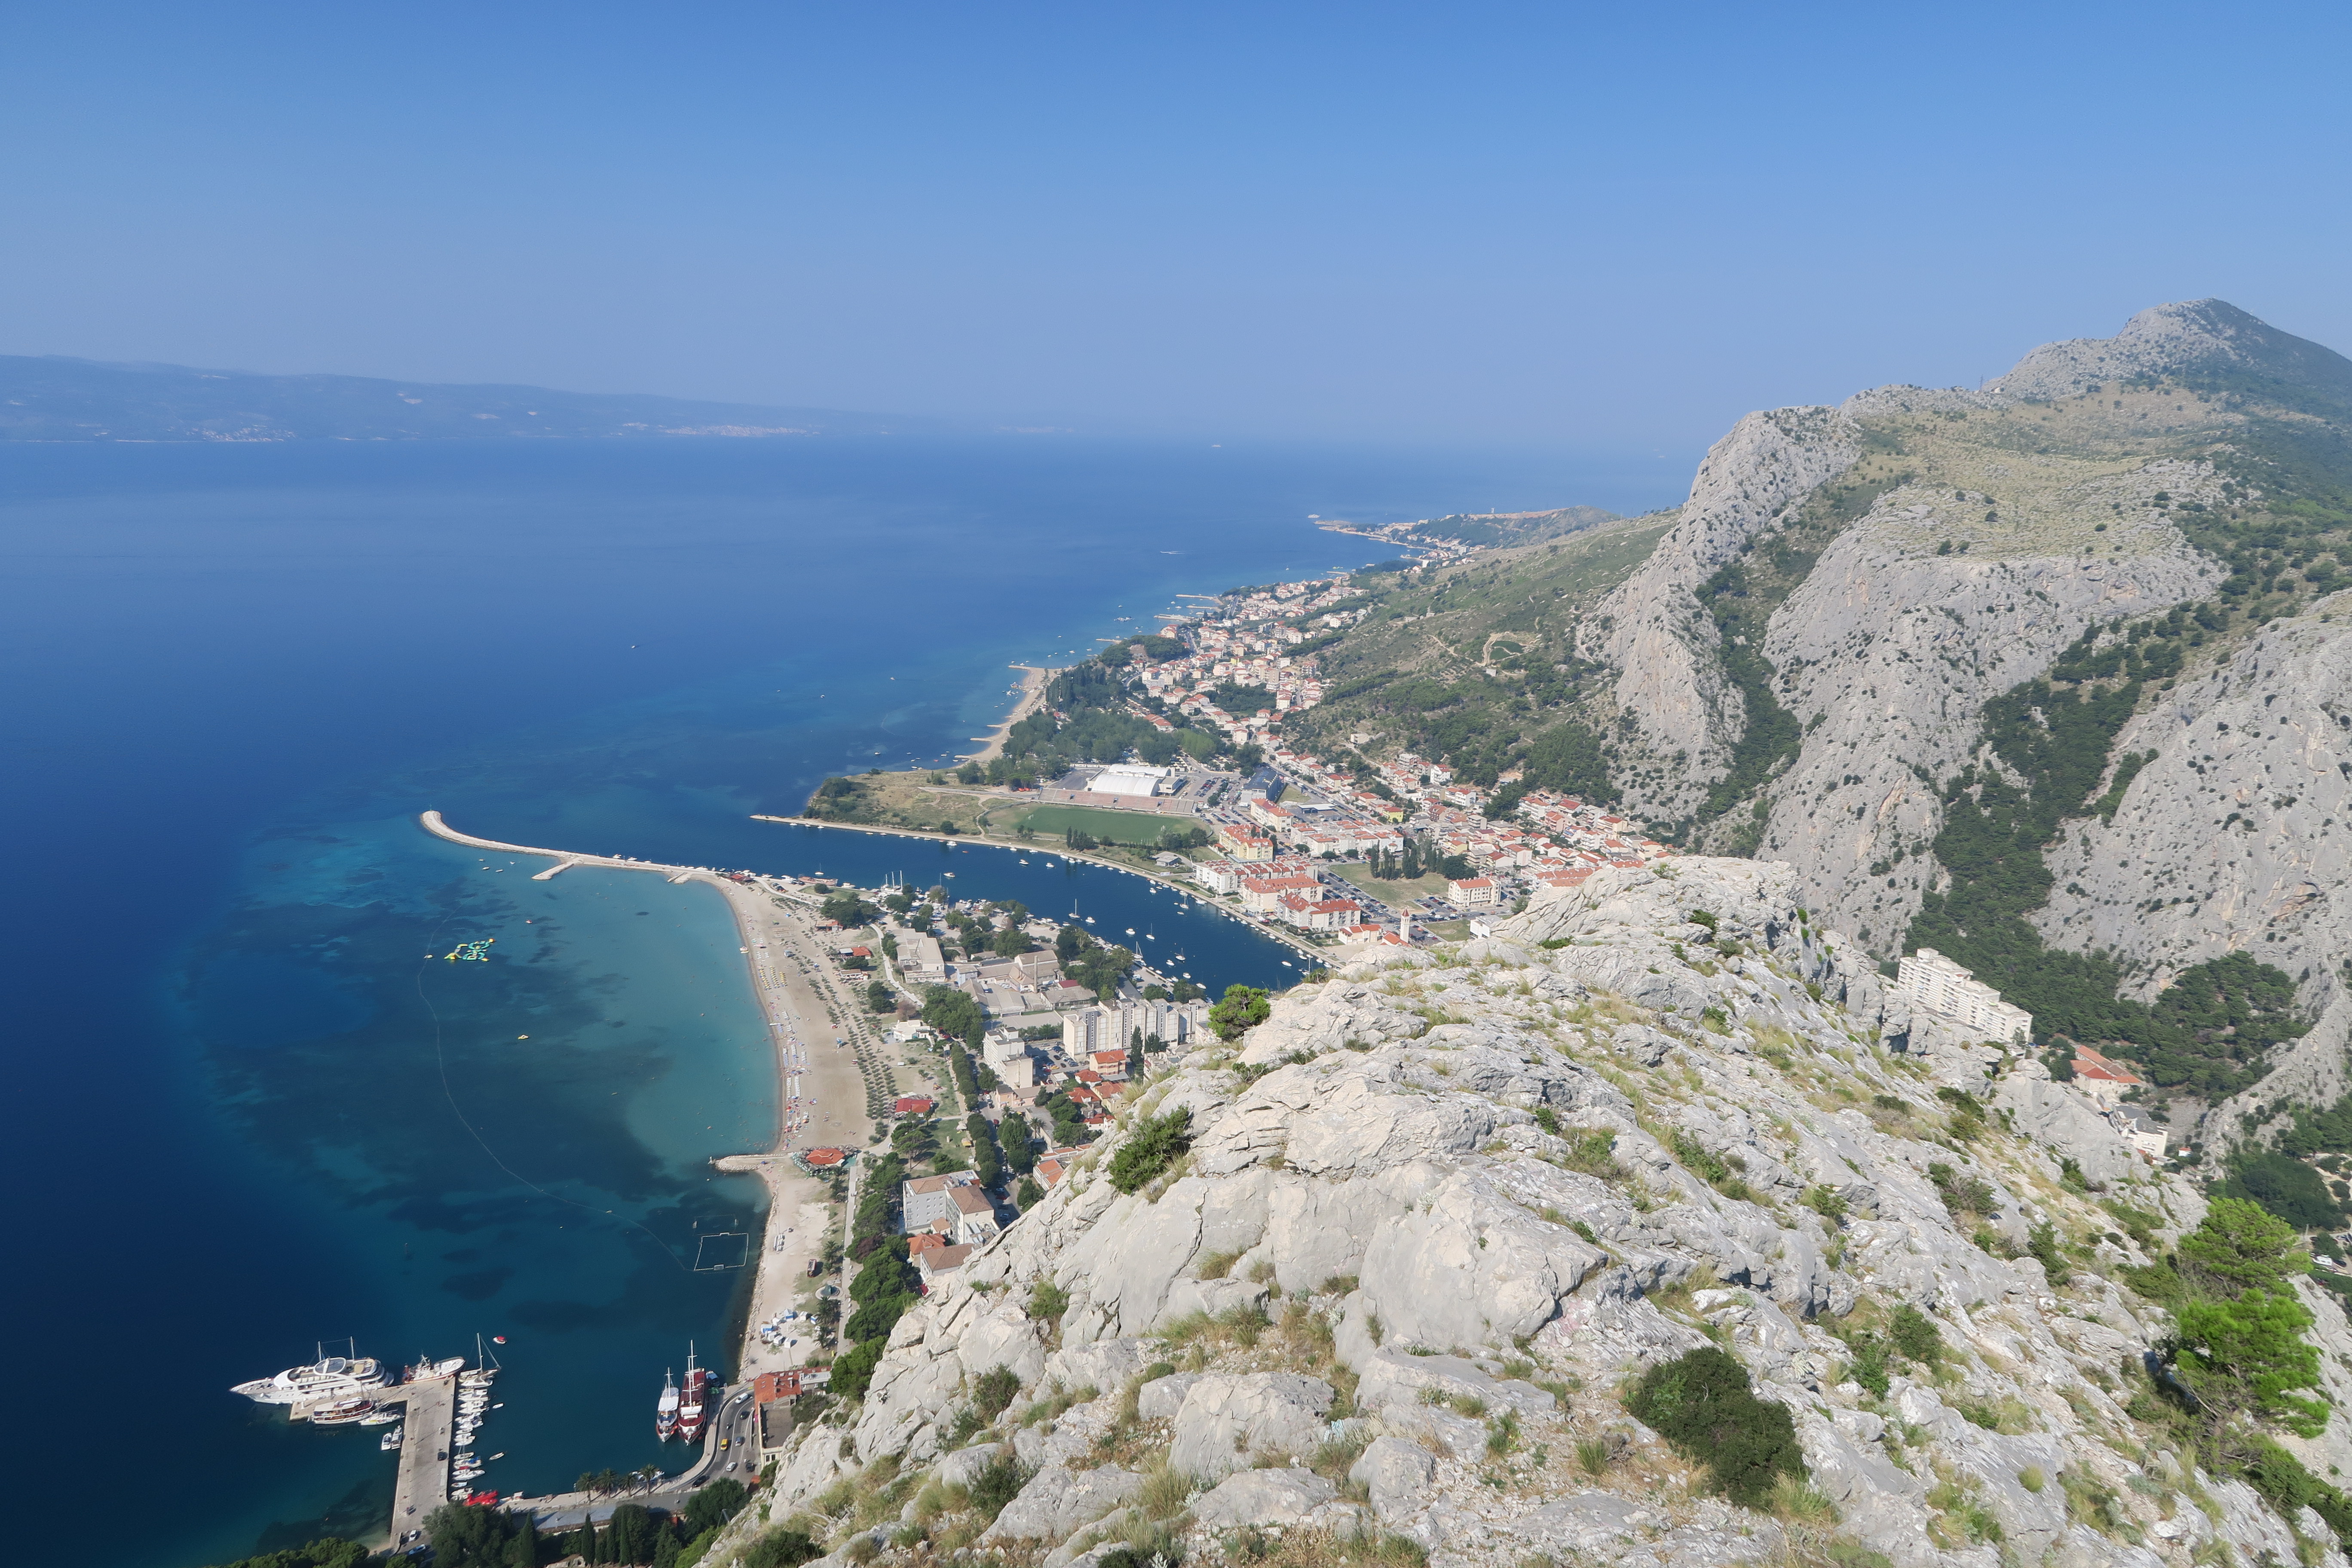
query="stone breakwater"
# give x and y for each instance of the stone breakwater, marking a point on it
(1435, 1211)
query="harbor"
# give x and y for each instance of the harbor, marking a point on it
(430, 1418)
(830, 1062)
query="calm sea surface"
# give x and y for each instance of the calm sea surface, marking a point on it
(254, 1110)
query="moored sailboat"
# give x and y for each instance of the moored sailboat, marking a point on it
(665, 1409)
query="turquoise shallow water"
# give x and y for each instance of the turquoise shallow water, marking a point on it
(254, 1116)
(457, 1177)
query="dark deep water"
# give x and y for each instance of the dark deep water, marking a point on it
(252, 1114)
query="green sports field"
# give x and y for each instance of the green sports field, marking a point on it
(1111, 826)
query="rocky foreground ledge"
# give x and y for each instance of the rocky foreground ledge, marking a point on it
(1440, 1212)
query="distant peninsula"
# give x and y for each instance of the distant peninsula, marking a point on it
(54, 398)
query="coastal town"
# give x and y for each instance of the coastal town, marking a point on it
(1361, 845)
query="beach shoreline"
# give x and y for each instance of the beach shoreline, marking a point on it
(1033, 696)
(820, 1094)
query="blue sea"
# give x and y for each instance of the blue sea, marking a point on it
(257, 1110)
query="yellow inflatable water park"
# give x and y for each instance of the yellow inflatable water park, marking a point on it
(470, 952)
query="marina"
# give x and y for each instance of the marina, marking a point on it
(433, 1414)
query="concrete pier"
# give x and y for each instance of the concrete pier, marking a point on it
(423, 1483)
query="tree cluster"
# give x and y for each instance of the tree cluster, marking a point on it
(952, 1013)
(2238, 1361)
(845, 907)
(465, 1537)
(882, 1290)
(2210, 1031)
(1099, 968)
(1069, 1124)
(634, 1534)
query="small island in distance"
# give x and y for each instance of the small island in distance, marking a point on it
(56, 398)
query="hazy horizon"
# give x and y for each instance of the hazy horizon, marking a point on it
(1503, 225)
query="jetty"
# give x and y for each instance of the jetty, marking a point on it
(423, 1483)
(565, 858)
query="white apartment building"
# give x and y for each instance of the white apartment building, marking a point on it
(1114, 1026)
(926, 1200)
(1934, 985)
(1218, 876)
(1007, 1055)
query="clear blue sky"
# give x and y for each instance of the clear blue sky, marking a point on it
(1612, 227)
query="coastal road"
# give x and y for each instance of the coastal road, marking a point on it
(728, 1440)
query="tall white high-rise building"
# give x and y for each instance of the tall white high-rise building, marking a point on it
(1935, 986)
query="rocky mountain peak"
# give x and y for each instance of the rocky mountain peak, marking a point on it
(2196, 339)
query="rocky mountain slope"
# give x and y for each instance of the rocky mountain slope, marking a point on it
(1440, 1221)
(1938, 651)
(2232, 836)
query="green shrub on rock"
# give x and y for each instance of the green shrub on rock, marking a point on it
(1703, 1406)
(1156, 1143)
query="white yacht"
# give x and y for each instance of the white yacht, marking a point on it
(329, 1377)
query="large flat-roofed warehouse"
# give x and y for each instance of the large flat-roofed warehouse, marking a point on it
(1130, 778)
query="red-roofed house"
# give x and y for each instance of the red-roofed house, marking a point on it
(910, 1105)
(1055, 1164)
(938, 1261)
(1263, 894)
(2102, 1077)
(1469, 891)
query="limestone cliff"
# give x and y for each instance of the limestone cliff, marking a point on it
(1654, 631)
(2234, 838)
(1434, 1215)
(1983, 531)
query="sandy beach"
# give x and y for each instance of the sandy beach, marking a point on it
(820, 1093)
(1033, 696)
(821, 1102)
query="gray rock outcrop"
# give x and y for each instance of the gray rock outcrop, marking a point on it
(1501, 1187)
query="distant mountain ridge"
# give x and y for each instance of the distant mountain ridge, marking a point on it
(55, 398)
